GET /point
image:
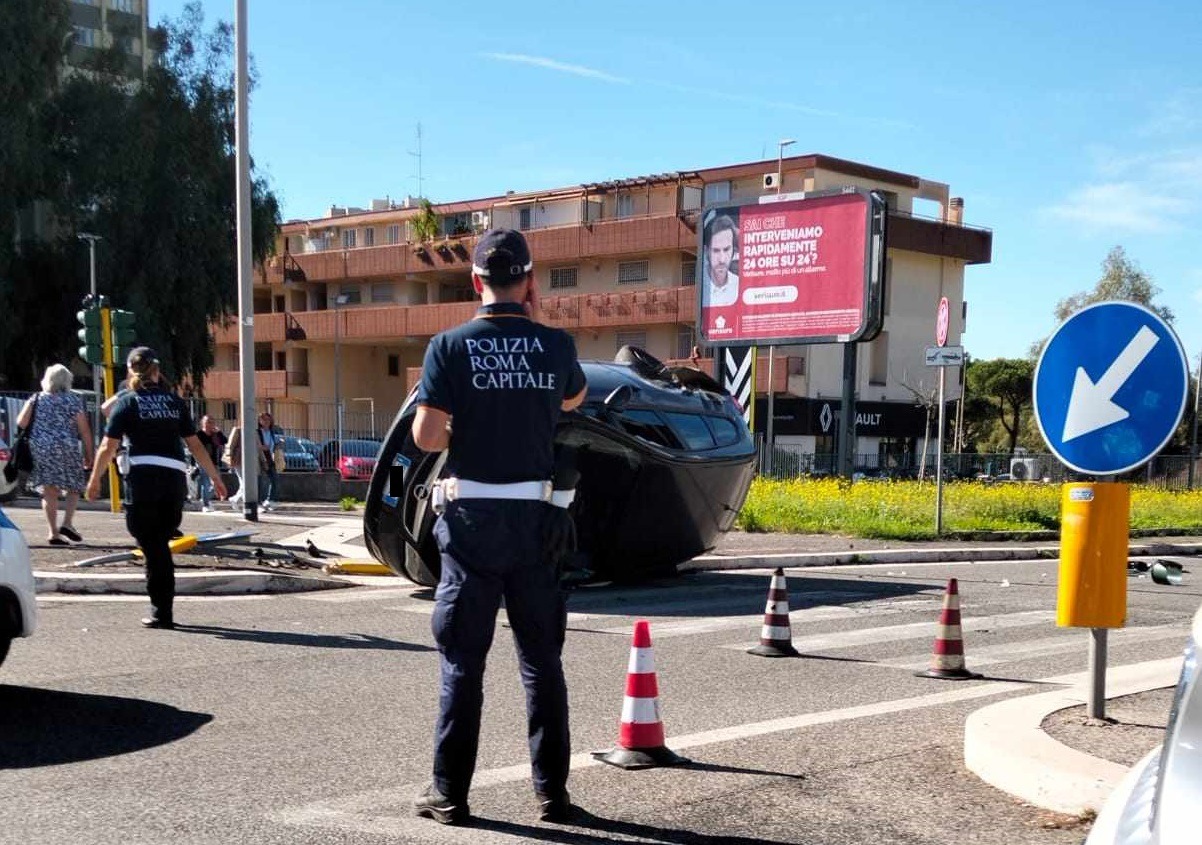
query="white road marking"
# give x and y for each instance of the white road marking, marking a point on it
(916, 630)
(1011, 652)
(386, 812)
(67, 598)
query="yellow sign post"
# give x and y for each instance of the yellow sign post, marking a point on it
(106, 328)
(1092, 593)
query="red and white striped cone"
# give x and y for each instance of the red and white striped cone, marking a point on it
(641, 734)
(947, 658)
(776, 637)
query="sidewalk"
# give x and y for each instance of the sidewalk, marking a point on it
(1044, 750)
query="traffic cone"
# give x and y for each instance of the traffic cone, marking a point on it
(947, 658)
(641, 734)
(776, 637)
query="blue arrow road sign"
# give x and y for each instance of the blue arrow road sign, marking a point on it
(1110, 388)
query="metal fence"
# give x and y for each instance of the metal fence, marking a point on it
(1165, 471)
(316, 422)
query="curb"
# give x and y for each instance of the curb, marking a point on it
(230, 583)
(1005, 744)
(911, 555)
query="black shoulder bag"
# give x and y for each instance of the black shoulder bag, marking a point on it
(22, 460)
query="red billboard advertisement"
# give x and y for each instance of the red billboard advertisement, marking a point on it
(792, 271)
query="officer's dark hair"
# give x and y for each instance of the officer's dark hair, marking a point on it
(723, 223)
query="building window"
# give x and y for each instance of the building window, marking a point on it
(122, 5)
(392, 234)
(382, 292)
(717, 192)
(229, 410)
(262, 356)
(638, 339)
(369, 237)
(686, 339)
(352, 293)
(625, 205)
(633, 272)
(348, 238)
(87, 37)
(878, 371)
(563, 277)
(524, 218)
(688, 273)
(394, 365)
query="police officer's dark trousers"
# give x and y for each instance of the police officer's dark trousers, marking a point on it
(492, 549)
(154, 508)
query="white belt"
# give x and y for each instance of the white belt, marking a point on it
(157, 461)
(534, 491)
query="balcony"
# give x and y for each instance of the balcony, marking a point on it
(394, 322)
(224, 384)
(628, 236)
(936, 237)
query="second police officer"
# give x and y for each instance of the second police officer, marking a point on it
(491, 392)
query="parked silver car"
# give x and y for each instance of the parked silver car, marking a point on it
(18, 599)
(1157, 802)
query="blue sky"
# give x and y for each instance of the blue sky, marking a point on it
(1068, 127)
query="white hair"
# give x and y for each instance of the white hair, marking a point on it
(58, 379)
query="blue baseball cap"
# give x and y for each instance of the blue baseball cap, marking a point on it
(501, 257)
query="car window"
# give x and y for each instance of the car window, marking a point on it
(692, 430)
(360, 448)
(724, 430)
(647, 425)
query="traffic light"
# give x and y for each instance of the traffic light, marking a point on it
(92, 333)
(124, 336)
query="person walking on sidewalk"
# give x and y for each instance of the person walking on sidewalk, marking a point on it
(502, 380)
(271, 444)
(233, 459)
(59, 429)
(213, 441)
(157, 425)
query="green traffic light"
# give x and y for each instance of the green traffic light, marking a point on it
(91, 335)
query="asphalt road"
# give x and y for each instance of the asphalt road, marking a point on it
(308, 718)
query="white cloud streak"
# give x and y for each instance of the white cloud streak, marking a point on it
(1146, 193)
(561, 67)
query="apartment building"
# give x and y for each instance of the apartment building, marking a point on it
(617, 264)
(101, 24)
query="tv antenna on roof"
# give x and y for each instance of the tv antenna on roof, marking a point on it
(418, 156)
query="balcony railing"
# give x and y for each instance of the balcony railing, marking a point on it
(626, 236)
(582, 311)
(269, 384)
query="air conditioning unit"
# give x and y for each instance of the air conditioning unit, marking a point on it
(1026, 469)
(771, 181)
(480, 219)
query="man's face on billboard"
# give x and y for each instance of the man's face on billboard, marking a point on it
(722, 250)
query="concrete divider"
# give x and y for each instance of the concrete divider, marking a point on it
(216, 583)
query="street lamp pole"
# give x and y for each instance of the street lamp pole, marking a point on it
(339, 301)
(246, 303)
(769, 440)
(91, 239)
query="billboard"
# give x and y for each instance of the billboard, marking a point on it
(788, 271)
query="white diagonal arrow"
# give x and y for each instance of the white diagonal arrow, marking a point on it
(1091, 405)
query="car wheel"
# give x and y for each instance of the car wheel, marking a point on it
(5, 642)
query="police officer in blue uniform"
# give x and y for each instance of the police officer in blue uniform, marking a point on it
(157, 424)
(491, 392)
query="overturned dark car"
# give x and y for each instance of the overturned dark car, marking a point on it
(664, 458)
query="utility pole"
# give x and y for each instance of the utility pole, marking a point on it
(418, 155)
(91, 239)
(246, 305)
(770, 440)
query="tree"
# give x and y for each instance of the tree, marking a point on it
(34, 37)
(1005, 383)
(153, 173)
(424, 224)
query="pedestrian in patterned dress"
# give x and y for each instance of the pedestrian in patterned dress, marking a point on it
(61, 440)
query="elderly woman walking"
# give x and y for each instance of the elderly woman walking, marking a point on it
(60, 430)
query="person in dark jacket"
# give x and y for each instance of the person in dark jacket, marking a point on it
(157, 425)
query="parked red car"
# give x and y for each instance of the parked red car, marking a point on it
(355, 461)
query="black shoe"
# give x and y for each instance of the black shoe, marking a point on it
(558, 810)
(71, 534)
(432, 804)
(165, 624)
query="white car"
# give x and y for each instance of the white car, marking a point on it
(1157, 802)
(18, 604)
